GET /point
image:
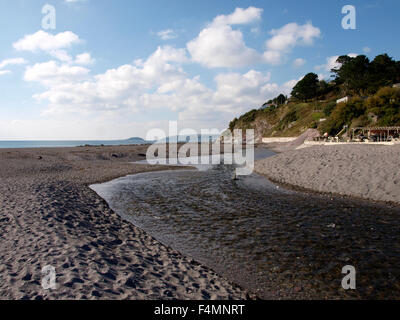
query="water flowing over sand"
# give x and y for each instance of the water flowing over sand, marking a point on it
(275, 242)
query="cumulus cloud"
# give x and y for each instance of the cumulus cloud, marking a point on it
(167, 34)
(84, 59)
(239, 16)
(69, 88)
(219, 45)
(54, 45)
(235, 94)
(53, 73)
(283, 40)
(157, 83)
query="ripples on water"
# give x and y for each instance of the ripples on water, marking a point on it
(279, 243)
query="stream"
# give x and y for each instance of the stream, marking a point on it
(277, 243)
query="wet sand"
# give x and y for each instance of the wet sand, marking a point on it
(50, 216)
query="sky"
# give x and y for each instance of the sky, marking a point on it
(118, 69)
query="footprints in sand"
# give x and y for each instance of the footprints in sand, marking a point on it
(96, 255)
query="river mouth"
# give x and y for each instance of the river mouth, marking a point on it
(277, 243)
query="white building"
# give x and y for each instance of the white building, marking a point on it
(343, 100)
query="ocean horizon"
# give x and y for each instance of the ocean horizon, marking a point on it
(17, 144)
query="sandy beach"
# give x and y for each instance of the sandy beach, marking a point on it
(50, 216)
(363, 171)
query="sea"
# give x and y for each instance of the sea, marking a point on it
(65, 144)
(16, 144)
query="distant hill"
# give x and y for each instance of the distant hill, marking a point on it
(183, 139)
(137, 140)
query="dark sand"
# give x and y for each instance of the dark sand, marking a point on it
(50, 216)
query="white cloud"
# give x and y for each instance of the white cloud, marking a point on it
(299, 62)
(222, 47)
(272, 57)
(235, 94)
(218, 45)
(243, 87)
(324, 76)
(167, 34)
(286, 38)
(54, 45)
(13, 61)
(84, 59)
(239, 16)
(288, 86)
(157, 83)
(9, 62)
(154, 84)
(70, 90)
(52, 73)
(331, 63)
(198, 105)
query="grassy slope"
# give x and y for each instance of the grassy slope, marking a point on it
(382, 109)
(286, 121)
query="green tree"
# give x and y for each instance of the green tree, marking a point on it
(306, 88)
(353, 73)
(323, 88)
(232, 124)
(281, 99)
(383, 72)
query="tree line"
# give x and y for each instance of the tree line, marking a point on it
(354, 76)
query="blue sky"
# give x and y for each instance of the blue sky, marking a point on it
(116, 69)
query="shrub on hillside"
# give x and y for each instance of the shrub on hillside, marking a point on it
(386, 105)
